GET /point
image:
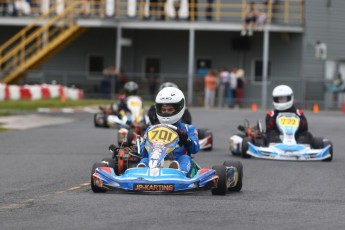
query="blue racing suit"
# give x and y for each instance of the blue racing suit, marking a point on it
(189, 144)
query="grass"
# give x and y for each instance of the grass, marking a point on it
(31, 105)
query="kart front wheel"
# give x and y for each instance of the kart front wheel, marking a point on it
(239, 167)
(94, 187)
(221, 188)
(245, 147)
(112, 163)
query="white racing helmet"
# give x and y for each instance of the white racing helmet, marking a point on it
(131, 88)
(282, 97)
(167, 84)
(170, 96)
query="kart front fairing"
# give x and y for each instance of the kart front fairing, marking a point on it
(161, 141)
(154, 180)
(296, 152)
(289, 149)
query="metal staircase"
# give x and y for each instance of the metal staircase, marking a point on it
(38, 41)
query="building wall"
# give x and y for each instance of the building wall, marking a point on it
(325, 23)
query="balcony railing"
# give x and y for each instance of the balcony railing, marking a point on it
(282, 12)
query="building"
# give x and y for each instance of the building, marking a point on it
(301, 44)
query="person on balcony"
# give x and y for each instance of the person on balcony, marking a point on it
(249, 22)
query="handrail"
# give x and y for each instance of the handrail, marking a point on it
(283, 10)
(24, 45)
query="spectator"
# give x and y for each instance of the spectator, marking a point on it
(224, 78)
(111, 79)
(239, 95)
(193, 10)
(123, 79)
(200, 74)
(177, 6)
(152, 79)
(336, 87)
(3, 7)
(209, 10)
(249, 22)
(232, 87)
(211, 83)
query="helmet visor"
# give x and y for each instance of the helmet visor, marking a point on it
(169, 109)
(282, 99)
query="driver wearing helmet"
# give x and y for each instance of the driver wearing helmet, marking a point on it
(170, 106)
(186, 117)
(131, 89)
(283, 101)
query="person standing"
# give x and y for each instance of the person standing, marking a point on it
(152, 79)
(224, 77)
(239, 95)
(232, 87)
(201, 72)
(211, 83)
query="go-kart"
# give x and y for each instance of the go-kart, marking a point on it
(132, 124)
(112, 174)
(238, 143)
(289, 149)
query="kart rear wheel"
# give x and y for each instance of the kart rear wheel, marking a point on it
(95, 120)
(130, 137)
(320, 143)
(95, 188)
(112, 163)
(245, 147)
(211, 142)
(239, 167)
(235, 146)
(202, 133)
(221, 188)
(325, 143)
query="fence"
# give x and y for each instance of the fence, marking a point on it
(307, 92)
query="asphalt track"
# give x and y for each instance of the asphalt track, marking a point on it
(45, 172)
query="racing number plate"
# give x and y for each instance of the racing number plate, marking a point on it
(162, 134)
(288, 121)
(154, 187)
(135, 104)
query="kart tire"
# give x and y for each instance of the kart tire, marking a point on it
(105, 121)
(238, 152)
(238, 165)
(325, 143)
(202, 133)
(95, 188)
(95, 120)
(221, 188)
(130, 137)
(245, 147)
(112, 163)
(319, 143)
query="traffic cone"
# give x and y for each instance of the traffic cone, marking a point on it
(63, 97)
(254, 107)
(316, 108)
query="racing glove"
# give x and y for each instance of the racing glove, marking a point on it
(184, 139)
(114, 149)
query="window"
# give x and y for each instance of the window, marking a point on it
(96, 64)
(258, 68)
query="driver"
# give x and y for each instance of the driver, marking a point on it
(283, 103)
(131, 89)
(170, 106)
(186, 117)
